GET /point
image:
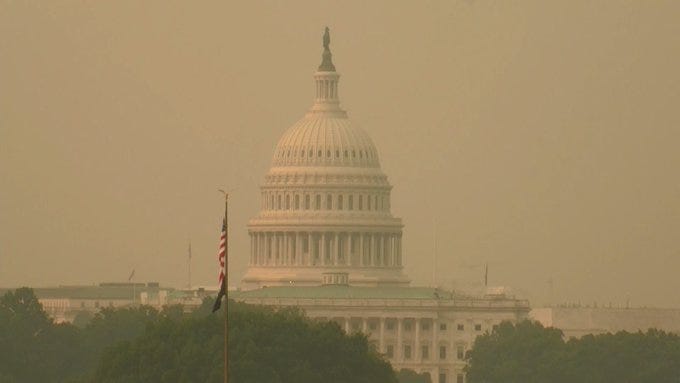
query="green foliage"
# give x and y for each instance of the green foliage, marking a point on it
(141, 344)
(32, 347)
(528, 352)
(264, 345)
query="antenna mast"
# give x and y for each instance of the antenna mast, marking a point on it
(434, 252)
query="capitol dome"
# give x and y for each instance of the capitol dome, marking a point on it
(318, 140)
(325, 203)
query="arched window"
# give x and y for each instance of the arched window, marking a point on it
(329, 202)
(297, 202)
(350, 202)
(361, 202)
(337, 154)
(340, 202)
(287, 202)
(354, 154)
(307, 202)
(319, 153)
(271, 204)
(317, 205)
(278, 202)
(375, 203)
(328, 153)
(368, 202)
(345, 153)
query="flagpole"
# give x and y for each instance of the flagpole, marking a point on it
(226, 285)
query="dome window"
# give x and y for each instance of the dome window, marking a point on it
(354, 154)
(361, 202)
(287, 202)
(320, 153)
(345, 153)
(328, 153)
(271, 205)
(297, 202)
(350, 202)
(340, 207)
(318, 202)
(329, 202)
(368, 202)
(307, 202)
(337, 154)
(278, 202)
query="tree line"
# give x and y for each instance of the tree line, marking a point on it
(142, 344)
(527, 352)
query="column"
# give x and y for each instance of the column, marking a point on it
(267, 247)
(416, 341)
(260, 248)
(298, 248)
(310, 251)
(379, 240)
(277, 246)
(289, 249)
(393, 253)
(399, 350)
(284, 249)
(350, 254)
(398, 250)
(335, 248)
(382, 335)
(322, 248)
(361, 249)
(371, 249)
(387, 249)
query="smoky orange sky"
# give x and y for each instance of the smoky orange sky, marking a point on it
(540, 137)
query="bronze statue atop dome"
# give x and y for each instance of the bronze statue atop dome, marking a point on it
(326, 57)
(326, 38)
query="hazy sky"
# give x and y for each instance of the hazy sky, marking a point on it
(543, 137)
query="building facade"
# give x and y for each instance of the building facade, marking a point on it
(326, 241)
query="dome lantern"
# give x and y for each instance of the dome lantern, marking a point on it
(326, 78)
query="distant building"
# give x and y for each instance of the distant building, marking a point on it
(64, 303)
(576, 322)
(325, 240)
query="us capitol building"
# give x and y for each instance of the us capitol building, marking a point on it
(326, 241)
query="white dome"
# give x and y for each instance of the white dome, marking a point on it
(319, 140)
(325, 204)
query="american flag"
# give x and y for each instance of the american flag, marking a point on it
(222, 258)
(222, 252)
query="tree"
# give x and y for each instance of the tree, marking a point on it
(32, 347)
(528, 352)
(264, 345)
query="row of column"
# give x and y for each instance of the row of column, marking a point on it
(416, 352)
(325, 249)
